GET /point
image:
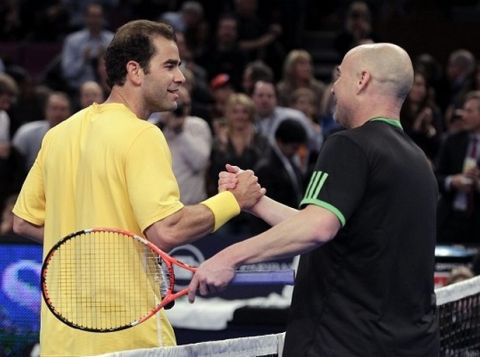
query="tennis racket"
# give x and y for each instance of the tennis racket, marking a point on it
(105, 280)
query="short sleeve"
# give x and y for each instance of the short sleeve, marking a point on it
(152, 186)
(339, 178)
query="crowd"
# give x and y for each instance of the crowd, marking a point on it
(251, 99)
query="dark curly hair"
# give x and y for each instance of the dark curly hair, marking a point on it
(133, 42)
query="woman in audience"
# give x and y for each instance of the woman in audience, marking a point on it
(237, 143)
(421, 118)
(298, 73)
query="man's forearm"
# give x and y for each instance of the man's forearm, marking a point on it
(271, 211)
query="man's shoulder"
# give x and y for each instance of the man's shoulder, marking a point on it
(285, 112)
(4, 117)
(76, 36)
(196, 122)
(108, 35)
(31, 127)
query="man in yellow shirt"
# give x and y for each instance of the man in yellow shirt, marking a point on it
(106, 166)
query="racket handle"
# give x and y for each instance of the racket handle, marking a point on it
(259, 277)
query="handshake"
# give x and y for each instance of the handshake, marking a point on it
(243, 184)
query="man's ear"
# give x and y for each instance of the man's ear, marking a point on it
(134, 72)
(363, 80)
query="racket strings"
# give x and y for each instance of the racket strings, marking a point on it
(101, 280)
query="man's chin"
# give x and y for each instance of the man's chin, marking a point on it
(166, 107)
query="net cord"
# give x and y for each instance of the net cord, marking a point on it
(458, 291)
(272, 345)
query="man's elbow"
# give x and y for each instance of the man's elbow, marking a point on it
(326, 230)
(163, 236)
(19, 226)
(23, 228)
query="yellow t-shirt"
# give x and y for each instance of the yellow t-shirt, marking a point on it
(102, 167)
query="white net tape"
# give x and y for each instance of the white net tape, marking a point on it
(239, 347)
(272, 345)
(458, 291)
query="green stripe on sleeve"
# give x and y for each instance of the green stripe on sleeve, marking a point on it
(316, 183)
(312, 187)
(327, 206)
(311, 183)
(320, 185)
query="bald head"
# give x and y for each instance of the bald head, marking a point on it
(389, 66)
(90, 92)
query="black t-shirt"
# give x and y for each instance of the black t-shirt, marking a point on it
(369, 291)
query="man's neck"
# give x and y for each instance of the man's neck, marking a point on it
(120, 95)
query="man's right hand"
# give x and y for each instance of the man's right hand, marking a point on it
(228, 180)
(247, 190)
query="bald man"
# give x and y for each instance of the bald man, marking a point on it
(365, 230)
(91, 92)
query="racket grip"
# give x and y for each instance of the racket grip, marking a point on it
(270, 277)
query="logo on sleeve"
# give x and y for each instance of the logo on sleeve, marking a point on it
(316, 183)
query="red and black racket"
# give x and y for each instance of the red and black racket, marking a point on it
(105, 280)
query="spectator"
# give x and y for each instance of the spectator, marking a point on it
(278, 171)
(457, 83)
(327, 108)
(221, 90)
(431, 69)
(90, 92)
(459, 274)
(82, 49)
(50, 19)
(29, 102)
(304, 100)
(269, 115)
(260, 41)
(191, 22)
(201, 98)
(11, 27)
(11, 172)
(358, 28)
(190, 142)
(28, 138)
(421, 118)
(188, 60)
(196, 80)
(298, 73)
(255, 71)
(189, 15)
(102, 75)
(458, 176)
(76, 10)
(237, 143)
(224, 54)
(8, 91)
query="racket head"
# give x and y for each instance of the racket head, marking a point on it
(105, 280)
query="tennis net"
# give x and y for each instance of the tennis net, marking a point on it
(459, 317)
